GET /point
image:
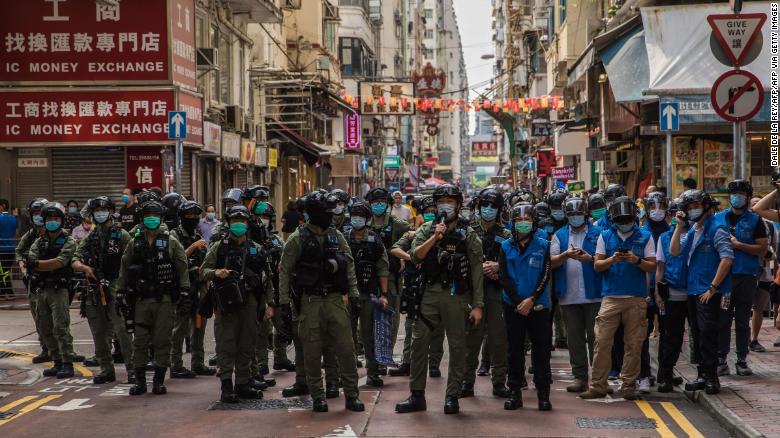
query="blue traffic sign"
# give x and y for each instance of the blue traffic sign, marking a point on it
(177, 125)
(364, 165)
(669, 116)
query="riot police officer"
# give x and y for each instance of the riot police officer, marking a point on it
(241, 285)
(188, 323)
(371, 270)
(318, 257)
(172, 202)
(153, 279)
(49, 264)
(230, 198)
(22, 251)
(492, 234)
(99, 256)
(451, 255)
(340, 213)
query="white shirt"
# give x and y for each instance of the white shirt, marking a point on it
(401, 212)
(649, 248)
(575, 281)
(674, 294)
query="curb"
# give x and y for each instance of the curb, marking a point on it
(729, 420)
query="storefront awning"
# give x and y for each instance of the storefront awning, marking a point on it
(583, 63)
(311, 152)
(627, 67)
(341, 104)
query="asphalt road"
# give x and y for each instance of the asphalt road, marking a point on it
(35, 406)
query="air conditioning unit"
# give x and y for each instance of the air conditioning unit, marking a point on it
(207, 58)
(323, 62)
(291, 4)
(234, 118)
(249, 129)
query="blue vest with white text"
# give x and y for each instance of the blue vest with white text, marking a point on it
(704, 260)
(675, 268)
(624, 278)
(744, 263)
(524, 269)
(591, 278)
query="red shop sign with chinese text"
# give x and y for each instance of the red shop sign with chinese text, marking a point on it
(143, 167)
(484, 148)
(85, 117)
(193, 106)
(58, 41)
(352, 131)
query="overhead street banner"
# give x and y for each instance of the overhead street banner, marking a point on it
(96, 116)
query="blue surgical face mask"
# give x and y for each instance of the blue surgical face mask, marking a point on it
(446, 210)
(101, 216)
(657, 215)
(488, 213)
(524, 227)
(126, 199)
(37, 220)
(306, 216)
(73, 210)
(358, 222)
(53, 225)
(558, 215)
(641, 213)
(695, 214)
(238, 228)
(378, 208)
(210, 216)
(626, 228)
(598, 213)
(339, 210)
(577, 220)
(738, 201)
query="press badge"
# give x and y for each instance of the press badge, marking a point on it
(252, 250)
(535, 262)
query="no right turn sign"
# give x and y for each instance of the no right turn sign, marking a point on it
(737, 95)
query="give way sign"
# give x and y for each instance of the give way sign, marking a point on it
(736, 33)
(737, 95)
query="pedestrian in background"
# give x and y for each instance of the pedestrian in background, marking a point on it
(130, 213)
(82, 230)
(290, 219)
(72, 216)
(8, 225)
(400, 211)
(208, 223)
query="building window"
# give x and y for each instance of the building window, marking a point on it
(242, 73)
(428, 14)
(329, 36)
(225, 60)
(356, 59)
(214, 86)
(200, 42)
(562, 11)
(429, 34)
(428, 53)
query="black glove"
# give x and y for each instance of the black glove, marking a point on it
(285, 330)
(83, 306)
(354, 307)
(185, 302)
(121, 299)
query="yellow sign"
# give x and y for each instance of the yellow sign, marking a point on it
(272, 157)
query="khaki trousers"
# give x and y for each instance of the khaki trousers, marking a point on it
(631, 312)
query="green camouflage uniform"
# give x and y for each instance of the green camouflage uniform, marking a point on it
(21, 253)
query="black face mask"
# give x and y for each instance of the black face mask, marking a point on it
(320, 218)
(189, 224)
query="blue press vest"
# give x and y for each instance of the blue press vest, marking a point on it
(591, 278)
(604, 222)
(525, 268)
(744, 263)
(624, 278)
(704, 260)
(675, 268)
(655, 240)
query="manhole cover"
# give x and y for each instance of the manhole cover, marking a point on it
(261, 405)
(615, 423)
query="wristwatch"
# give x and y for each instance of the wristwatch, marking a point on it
(713, 288)
(638, 261)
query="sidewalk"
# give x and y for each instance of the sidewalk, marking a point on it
(746, 406)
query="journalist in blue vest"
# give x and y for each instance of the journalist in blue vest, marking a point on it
(577, 286)
(625, 253)
(708, 251)
(597, 206)
(524, 268)
(750, 242)
(555, 200)
(612, 192)
(543, 219)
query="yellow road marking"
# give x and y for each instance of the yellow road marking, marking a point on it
(660, 426)
(683, 422)
(27, 357)
(16, 403)
(31, 407)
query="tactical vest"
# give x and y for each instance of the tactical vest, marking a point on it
(253, 268)
(321, 269)
(110, 255)
(367, 253)
(675, 267)
(157, 268)
(196, 258)
(386, 233)
(48, 250)
(447, 262)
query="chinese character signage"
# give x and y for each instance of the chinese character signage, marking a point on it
(567, 173)
(247, 151)
(541, 128)
(212, 138)
(182, 15)
(76, 116)
(484, 151)
(430, 82)
(545, 160)
(351, 131)
(59, 41)
(144, 167)
(273, 157)
(193, 106)
(231, 145)
(390, 98)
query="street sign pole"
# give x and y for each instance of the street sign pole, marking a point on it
(669, 170)
(179, 164)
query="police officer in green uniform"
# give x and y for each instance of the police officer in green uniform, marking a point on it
(451, 256)
(49, 265)
(98, 257)
(324, 275)
(21, 253)
(371, 266)
(188, 322)
(241, 287)
(390, 230)
(342, 223)
(492, 233)
(230, 198)
(153, 278)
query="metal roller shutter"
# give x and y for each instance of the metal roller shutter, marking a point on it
(83, 173)
(241, 178)
(32, 182)
(186, 176)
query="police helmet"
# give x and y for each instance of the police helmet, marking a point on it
(37, 204)
(320, 200)
(697, 196)
(172, 201)
(53, 209)
(340, 195)
(623, 210)
(575, 205)
(556, 199)
(656, 200)
(596, 201)
(237, 212)
(256, 192)
(190, 207)
(233, 195)
(426, 203)
(613, 192)
(378, 194)
(447, 191)
(541, 210)
(490, 197)
(741, 185)
(674, 206)
(522, 195)
(264, 208)
(360, 209)
(100, 202)
(146, 196)
(300, 203)
(522, 209)
(153, 207)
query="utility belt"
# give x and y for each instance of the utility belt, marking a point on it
(40, 281)
(322, 291)
(145, 289)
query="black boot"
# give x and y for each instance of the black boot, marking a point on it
(381, 370)
(698, 384)
(354, 404)
(484, 369)
(54, 370)
(295, 390)
(131, 377)
(182, 373)
(415, 402)
(331, 390)
(375, 381)
(319, 405)
(466, 390)
(515, 400)
(246, 391)
(91, 362)
(66, 371)
(284, 366)
(228, 394)
(712, 384)
(204, 371)
(434, 371)
(43, 357)
(403, 370)
(257, 384)
(543, 394)
(451, 405)
(104, 377)
(500, 390)
(140, 382)
(157, 383)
